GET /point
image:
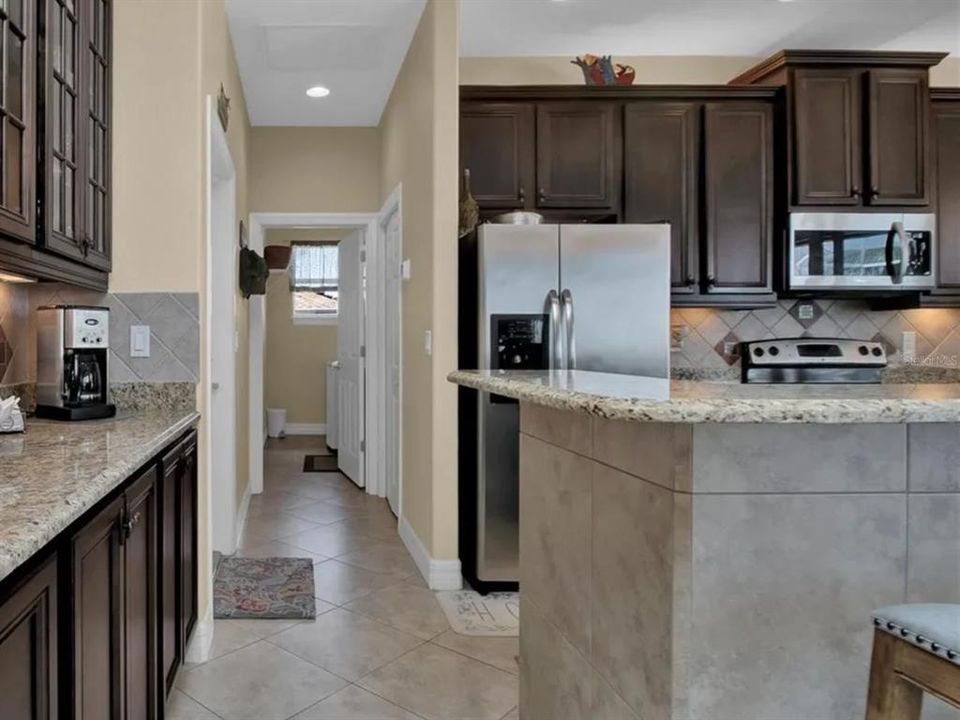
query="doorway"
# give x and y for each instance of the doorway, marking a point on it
(221, 338)
(356, 344)
(391, 231)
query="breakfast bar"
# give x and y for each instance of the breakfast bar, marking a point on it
(694, 550)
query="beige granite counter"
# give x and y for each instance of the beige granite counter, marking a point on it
(56, 471)
(645, 399)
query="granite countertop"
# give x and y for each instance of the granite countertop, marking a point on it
(646, 399)
(56, 471)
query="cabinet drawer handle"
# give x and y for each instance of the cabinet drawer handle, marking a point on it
(130, 524)
(522, 195)
(711, 281)
(855, 191)
(691, 281)
(542, 195)
(874, 191)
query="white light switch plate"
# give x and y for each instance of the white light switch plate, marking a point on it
(428, 342)
(140, 341)
(405, 269)
(908, 345)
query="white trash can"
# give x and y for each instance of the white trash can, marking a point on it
(276, 422)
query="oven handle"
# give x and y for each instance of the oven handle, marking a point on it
(896, 239)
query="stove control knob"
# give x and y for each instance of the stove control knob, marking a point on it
(774, 350)
(758, 352)
(877, 352)
(864, 350)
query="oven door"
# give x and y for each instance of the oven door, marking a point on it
(861, 251)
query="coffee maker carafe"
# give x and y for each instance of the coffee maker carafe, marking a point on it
(72, 348)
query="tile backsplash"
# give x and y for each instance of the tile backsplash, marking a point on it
(706, 339)
(172, 317)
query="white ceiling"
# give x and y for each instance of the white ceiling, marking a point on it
(353, 47)
(704, 27)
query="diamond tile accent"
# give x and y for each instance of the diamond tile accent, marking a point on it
(732, 357)
(806, 312)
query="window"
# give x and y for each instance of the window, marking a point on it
(313, 281)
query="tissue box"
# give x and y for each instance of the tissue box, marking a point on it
(13, 424)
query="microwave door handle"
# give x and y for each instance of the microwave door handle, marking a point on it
(895, 240)
(566, 298)
(555, 356)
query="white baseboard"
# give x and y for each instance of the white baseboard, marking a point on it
(201, 642)
(242, 513)
(306, 429)
(439, 574)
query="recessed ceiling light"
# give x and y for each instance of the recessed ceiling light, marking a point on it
(318, 91)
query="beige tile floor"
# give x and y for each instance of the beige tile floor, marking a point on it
(380, 647)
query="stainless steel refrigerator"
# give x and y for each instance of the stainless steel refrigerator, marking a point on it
(583, 297)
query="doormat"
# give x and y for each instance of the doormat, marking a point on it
(267, 588)
(492, 615)
(320, 463)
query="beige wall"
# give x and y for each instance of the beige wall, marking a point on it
(651, 69)
(321, 169)
(296, 356)
(167, 57)
(947, 73)
(419, 141)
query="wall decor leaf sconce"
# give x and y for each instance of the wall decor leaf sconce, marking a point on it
(223, 108)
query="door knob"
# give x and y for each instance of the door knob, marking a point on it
(691, 281)
(711, 281)
(855, 191)
(522, 195)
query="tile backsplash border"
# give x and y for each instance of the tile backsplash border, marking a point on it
(174, 333)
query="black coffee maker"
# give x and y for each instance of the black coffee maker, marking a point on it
(72, 346)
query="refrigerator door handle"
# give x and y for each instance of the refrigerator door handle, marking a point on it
(566, 298)
(556, 340)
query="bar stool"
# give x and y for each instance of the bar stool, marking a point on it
(916, 649)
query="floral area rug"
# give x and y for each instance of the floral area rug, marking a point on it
(268, 588)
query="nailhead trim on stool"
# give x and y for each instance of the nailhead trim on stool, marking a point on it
(920, 641)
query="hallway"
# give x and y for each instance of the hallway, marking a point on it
(380, 647)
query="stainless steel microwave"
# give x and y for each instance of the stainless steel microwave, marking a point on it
(862, 251)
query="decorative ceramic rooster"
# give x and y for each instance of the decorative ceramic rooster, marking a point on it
(600, 70)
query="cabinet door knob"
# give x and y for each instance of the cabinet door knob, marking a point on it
(691, 281)
(855, 191)
(874, 191)
(711, 281)
(542, 195)
(522, 195)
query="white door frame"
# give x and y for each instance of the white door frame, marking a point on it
(260, 222)
(220, 186)
(378, 367)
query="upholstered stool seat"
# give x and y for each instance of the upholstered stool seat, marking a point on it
(916, 649)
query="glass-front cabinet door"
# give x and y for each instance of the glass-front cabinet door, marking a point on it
(76, 147)
(97, 119)
(17, 144)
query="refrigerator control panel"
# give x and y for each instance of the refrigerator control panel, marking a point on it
(520, 342)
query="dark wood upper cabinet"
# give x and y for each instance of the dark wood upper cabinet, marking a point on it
(97, 606)
(898, 111)
(75, 192)
(96, 115)
(29, 648)
(738, 184)
(946, 159)
(827, 137)
(18, 19)
(661, 178)
(497, 146)
(578, 155)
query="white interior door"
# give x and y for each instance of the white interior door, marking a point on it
(223, 396)
(392, 357)
(350, 417)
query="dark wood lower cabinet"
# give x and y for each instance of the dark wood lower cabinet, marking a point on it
(140, 598)
(28, 648)
(98, 630)
(96, 603)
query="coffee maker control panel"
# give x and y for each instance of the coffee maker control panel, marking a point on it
(86, 328)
